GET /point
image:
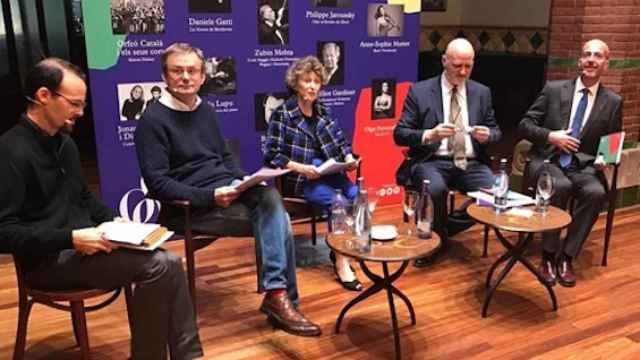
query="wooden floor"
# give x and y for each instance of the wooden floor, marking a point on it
(598, 319)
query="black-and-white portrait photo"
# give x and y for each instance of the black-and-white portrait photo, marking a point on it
(383, 104)
(385, 20)
(220, 75)
(134, 98)
(209, 6)
(434, 5)
(331, 3)
(331, 54)
(137, 16)
(265, 105)
(273, 22)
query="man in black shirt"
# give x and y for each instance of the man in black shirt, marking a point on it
(48, 220)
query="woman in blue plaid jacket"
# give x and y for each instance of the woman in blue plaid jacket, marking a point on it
(302, 135)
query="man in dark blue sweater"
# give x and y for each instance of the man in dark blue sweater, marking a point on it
(48, 220)
(183, 155)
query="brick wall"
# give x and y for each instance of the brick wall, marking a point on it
(617, 22)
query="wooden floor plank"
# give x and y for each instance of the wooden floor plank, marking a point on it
(598, 319)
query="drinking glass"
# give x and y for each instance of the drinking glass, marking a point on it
(409, 210)
(544, 191)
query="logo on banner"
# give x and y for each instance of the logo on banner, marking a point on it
(135, 206)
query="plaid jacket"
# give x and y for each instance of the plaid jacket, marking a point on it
(290, 138)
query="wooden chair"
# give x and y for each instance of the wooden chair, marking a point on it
(611, 203)
(192, 241)
(28, 295)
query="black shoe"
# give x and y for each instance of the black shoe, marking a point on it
(430, 259)
(353, 285)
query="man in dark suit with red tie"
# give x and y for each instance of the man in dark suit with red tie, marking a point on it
(447, 122)
(565, 124)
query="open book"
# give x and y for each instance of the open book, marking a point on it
(610, 147)
(332, 166)
(259, 176)
(133, 235)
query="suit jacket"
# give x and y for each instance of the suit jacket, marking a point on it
(337, 78)
(290, 137)
(551, 111)
(267, 35)
(423, 110)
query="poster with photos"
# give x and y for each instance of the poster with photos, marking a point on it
(247, 48)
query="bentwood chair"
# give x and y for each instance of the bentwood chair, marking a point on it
(28, 295)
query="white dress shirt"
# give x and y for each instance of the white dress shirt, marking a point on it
(577, 95)
(447, 87)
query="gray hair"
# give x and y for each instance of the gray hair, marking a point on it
(180, 48)
(304, 66)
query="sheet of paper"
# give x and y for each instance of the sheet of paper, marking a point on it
(513, 198)
(332, 166)
(259, 176)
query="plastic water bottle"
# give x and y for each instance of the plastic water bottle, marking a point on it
(362, 222)
(424, 212)
(339, 214)
(501, 187)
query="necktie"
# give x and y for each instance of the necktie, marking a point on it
(565, 158)
(457, 144)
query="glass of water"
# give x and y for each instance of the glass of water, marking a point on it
(544, 191)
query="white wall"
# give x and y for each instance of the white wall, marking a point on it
(532, 13)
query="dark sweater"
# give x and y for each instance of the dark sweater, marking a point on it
(43, 195)
(182, 154)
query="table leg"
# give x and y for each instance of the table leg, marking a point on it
(515, 253)
(392, 309)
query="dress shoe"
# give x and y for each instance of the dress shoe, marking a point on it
(566, 276)
(547, 269)
(432, 258)
(282, 314)
(353, 285)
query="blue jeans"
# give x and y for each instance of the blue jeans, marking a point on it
(321, 191)
(258, 211)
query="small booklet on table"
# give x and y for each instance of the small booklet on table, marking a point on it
(514, 199)
(136, 236)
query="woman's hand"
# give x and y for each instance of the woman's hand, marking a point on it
(310, 171)
(352, 163)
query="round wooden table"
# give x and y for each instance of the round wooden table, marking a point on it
(553, 220)
(402, 249)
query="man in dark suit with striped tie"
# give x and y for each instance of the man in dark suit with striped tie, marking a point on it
(565, 124)
(447, 122)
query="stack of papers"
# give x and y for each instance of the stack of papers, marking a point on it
(263, 174)
(513, 198)
(135, 235)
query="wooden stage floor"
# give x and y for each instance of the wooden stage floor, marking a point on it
(598, 319)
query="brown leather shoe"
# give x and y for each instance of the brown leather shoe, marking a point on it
(547, 269)
(566, 276)
(284, 315)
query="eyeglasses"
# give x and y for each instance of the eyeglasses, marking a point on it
(78, 104)
(191, 71)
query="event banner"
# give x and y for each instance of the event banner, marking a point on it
(369, 48)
